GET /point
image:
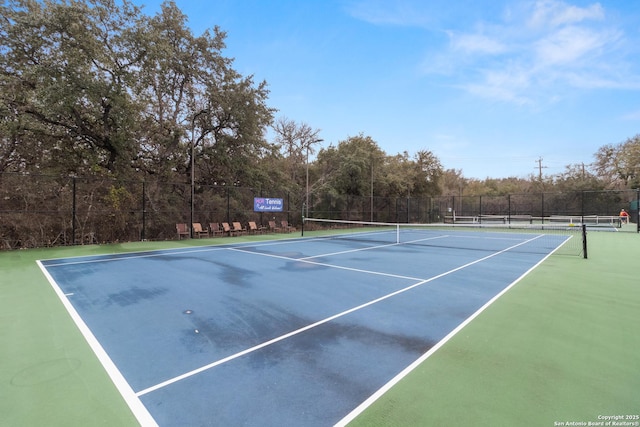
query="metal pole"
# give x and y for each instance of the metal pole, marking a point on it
(305, 214)
(192, 174)
(638, 211)
(228, 204)
(193, 180)
(307, 168)
(144, 212)
(584, 241)
(582, 208)
(408, 209)
(371, 188)
(73, 214)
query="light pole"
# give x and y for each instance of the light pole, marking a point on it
(306, 213)
(372, 187)
(193, 176)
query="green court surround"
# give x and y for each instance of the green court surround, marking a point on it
(561, 346)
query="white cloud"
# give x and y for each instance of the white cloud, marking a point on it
(509, 85)
(476, 43)
(570, 44)
(552, 13)
(389, 12)
(534, 51)
(537, 54)
(632, 116)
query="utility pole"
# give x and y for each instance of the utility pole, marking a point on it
(540, 167)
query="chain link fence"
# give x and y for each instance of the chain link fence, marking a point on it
(39, 211)
(510, 207)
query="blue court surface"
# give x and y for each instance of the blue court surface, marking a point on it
(272, 333)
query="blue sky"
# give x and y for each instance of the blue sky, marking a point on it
(489, 86)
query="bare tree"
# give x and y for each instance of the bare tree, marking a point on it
(296, 142)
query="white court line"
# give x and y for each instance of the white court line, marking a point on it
(211, 248)
(163, 252)
(349, 251)
(133, 255)
(358, 270)
(313, 325)
(142, 415)
(371, 247)
(379, 393)
(323, 264)
(408, 242)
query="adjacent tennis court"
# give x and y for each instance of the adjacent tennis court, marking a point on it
(301, 330)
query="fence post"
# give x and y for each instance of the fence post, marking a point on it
(73, 213)
(144, 212)
(261, 214)
(453, 207)
(192, 196)
(228, 204)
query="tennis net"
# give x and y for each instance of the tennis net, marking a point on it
(531, 238)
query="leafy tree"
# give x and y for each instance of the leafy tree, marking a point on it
(231, 133)
(577, 177)
(428, 174)
(619, 165)
(347, 168)
(198, 105)
(452, 180)
(11, 157)
(65, 73)
(357, 163)
(398, 176)
(512, 185)
(95, 86)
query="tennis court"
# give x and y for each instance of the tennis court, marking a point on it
(300, 330)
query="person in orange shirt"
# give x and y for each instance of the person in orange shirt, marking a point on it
(624, 217)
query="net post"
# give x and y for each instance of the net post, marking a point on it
(584, 241)
(397, 233)
(638, 210)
